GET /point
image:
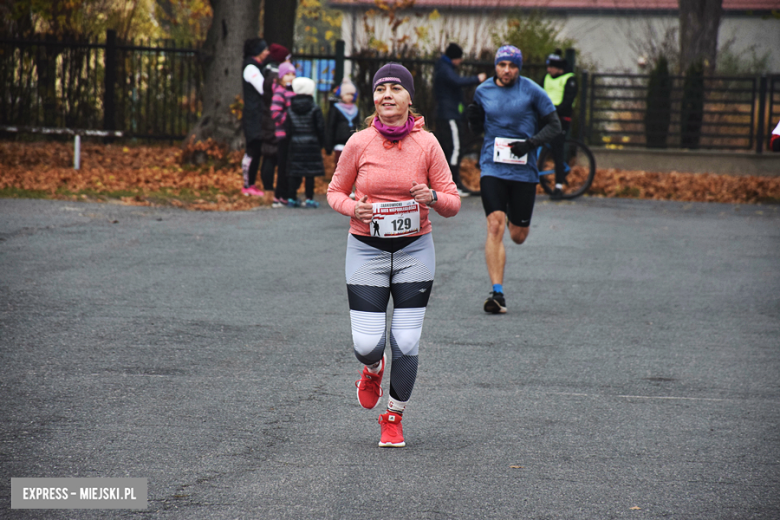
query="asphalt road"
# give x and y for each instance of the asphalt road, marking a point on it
(636, 375)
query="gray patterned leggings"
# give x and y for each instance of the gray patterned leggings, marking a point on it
(375, 269)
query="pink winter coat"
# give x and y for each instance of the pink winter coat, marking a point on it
(384, 171)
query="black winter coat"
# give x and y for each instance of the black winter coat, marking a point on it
(305, 128)
(270, 74)
(338, 129)
(254, 106)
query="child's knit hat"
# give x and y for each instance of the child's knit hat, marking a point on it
(286, 68)
(303, 86)
(347, 87)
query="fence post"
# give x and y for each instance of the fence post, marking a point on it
(761, 109)
(338, 75)
(77, 152)
(571, 59)
(109, 87)
(583, 106)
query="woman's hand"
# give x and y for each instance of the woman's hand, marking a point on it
(363, 210)
(421, 194)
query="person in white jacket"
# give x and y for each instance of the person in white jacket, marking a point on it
(255, 51)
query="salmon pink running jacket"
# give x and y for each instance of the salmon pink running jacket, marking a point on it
(384, 171)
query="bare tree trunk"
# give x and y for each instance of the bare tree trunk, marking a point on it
(699, 23)
(233, 22)
(279, 22)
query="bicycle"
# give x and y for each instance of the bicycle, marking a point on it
(579, 168)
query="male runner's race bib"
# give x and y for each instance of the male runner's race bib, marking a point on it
(395, 219)
(502, 151)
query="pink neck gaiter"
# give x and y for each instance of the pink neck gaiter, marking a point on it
(394, 133)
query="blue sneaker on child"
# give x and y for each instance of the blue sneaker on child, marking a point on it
(311, 204)
(293, 203)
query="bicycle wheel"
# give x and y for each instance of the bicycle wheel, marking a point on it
(580, 169)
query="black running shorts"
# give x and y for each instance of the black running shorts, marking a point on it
(515, 198)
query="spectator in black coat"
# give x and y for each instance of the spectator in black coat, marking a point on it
(343, 120)
(306, 137)
(448, 90)
(255, 51)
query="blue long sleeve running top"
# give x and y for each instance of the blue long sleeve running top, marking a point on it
(511, 112)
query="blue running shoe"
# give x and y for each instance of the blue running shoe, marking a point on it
(311, 204)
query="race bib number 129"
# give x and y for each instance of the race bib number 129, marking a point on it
(395, 219)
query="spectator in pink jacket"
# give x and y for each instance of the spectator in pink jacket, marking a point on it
(280, 102)
(400, 173)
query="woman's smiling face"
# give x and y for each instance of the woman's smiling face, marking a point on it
(392, 103)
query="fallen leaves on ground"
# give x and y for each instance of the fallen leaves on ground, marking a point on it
(165, 175)
(689, 187)
(134, 175)
(693, 187)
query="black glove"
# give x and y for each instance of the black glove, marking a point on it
(475, 115)
(520, 148)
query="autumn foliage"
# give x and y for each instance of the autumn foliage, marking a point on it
(200, 176)
(692, 187)
(205, 176)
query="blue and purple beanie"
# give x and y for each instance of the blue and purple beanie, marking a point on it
(509, 53)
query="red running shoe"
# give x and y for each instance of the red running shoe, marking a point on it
(392, 431)
(369, 387)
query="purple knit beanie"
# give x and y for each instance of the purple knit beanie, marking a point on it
(509, 53)
(395, 73)
(286, 68)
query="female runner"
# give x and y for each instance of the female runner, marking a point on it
(400, 173)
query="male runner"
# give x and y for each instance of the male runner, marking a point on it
(516, 116)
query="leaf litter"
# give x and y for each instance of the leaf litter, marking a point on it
(204, 176)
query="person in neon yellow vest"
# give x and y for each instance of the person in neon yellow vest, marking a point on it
(561, 86)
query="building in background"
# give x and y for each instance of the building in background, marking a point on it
(612, 35)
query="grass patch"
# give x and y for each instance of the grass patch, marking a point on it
(11, 192)
(628, 192)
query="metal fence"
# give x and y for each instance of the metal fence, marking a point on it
(158, 91)
(49, 83)
(143, 90)
(154, 92)
(736, 112)
(773, 109)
